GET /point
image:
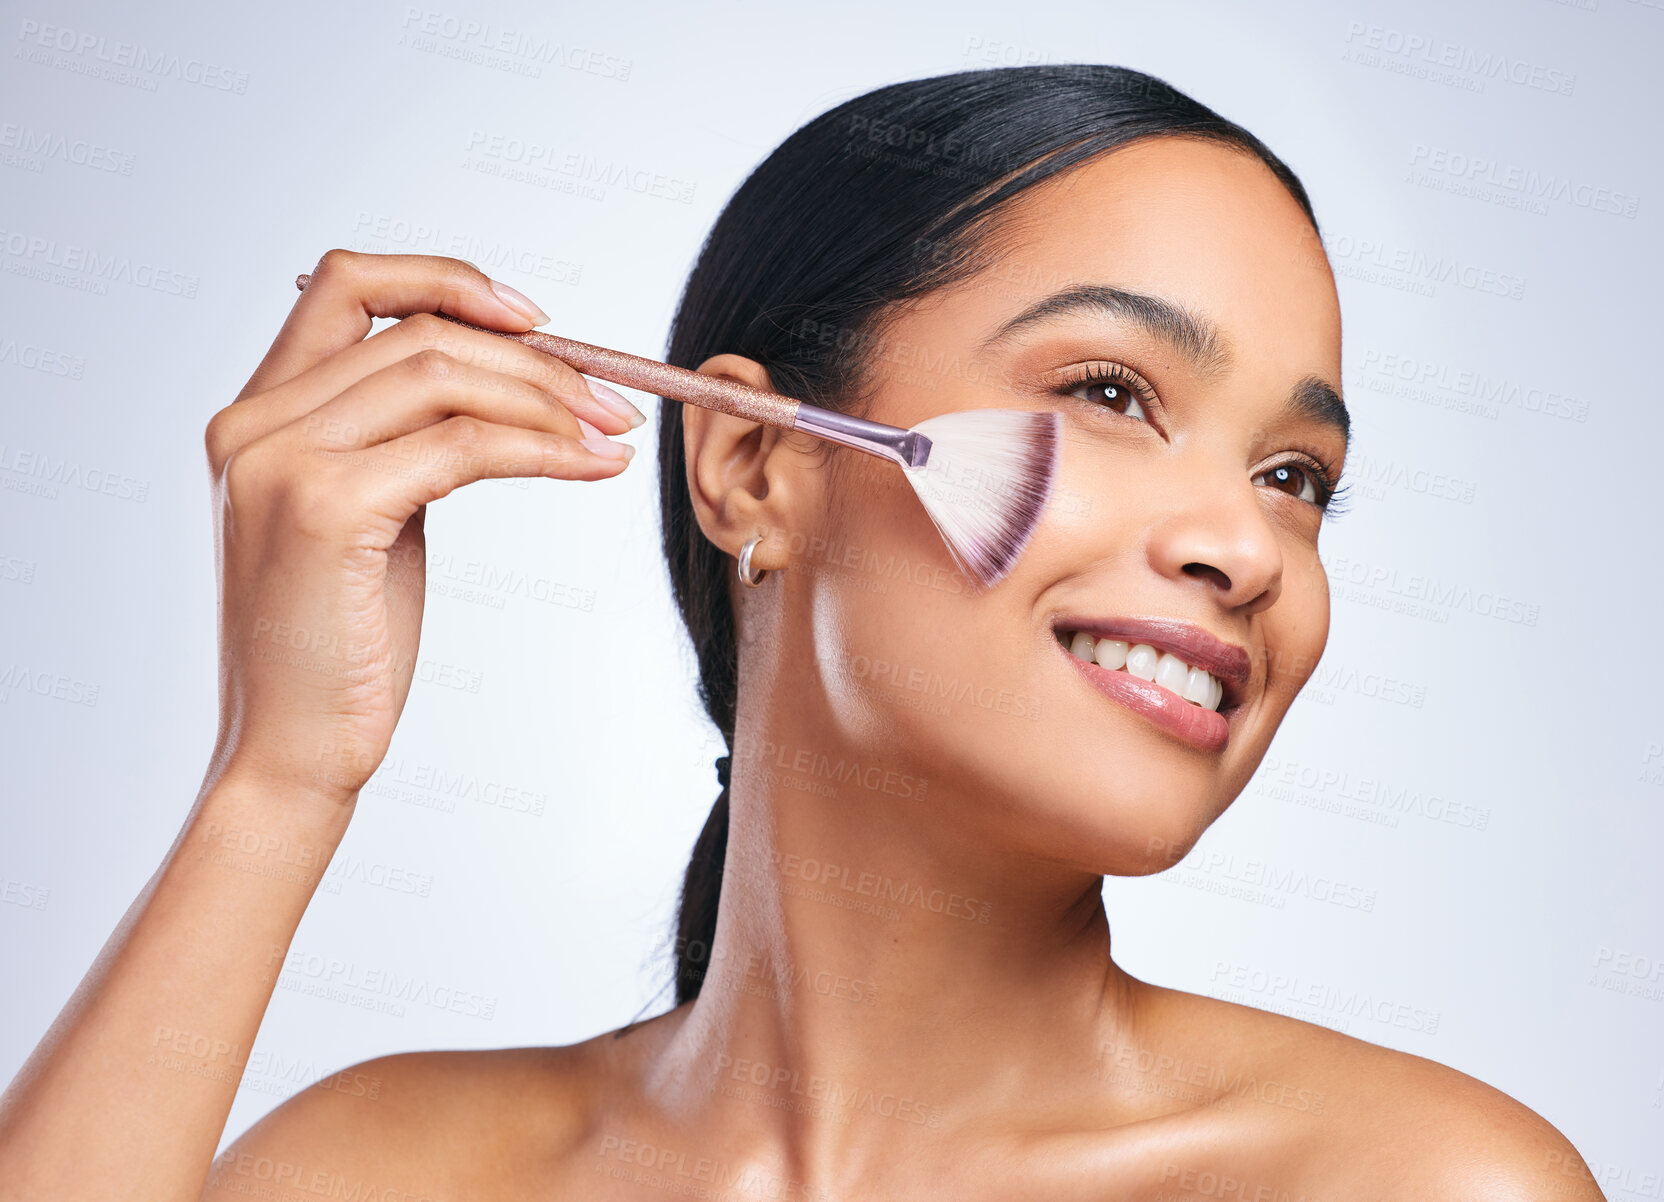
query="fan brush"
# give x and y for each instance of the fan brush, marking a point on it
(983, 475)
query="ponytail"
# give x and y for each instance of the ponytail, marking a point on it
(818, 246)
(701, 887)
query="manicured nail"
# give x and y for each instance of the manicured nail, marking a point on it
(519, 302)
(617, 402)
(608, 449)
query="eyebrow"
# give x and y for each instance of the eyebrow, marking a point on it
(1193, 336)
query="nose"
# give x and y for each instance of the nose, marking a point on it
(1220, 538)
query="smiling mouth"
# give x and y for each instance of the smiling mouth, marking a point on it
(1144, 658)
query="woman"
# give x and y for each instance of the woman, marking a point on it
(894, 973)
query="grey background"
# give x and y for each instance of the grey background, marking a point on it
(1480, 753)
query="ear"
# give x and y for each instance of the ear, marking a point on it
(748, 479)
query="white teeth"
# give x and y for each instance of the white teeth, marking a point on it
(1172, 673)
(1196, 685)
(1112, 653)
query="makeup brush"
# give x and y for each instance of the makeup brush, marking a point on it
(983, 475)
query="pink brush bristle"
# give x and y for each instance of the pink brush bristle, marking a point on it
(986, 483)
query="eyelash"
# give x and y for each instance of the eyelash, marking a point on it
(1332, 494)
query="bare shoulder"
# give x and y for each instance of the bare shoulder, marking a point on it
(1375, 1122)
(1442, 1133)
(439, 1125)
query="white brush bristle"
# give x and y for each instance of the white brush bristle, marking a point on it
(986, 482)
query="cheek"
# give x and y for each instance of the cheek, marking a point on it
(1106, 495)
(910, 657)
(1296, 627)
(873, 539)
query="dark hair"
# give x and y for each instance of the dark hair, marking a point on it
(886, 197)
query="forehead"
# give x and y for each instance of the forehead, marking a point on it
(1200, 223)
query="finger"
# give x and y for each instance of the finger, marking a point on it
(349, 289)
(314, 387)
(595, 402)
(422, 390)
(424, 466)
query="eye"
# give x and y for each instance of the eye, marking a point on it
(1292, 479)
(1304, 482)
(1118, 388)
(1114, 386)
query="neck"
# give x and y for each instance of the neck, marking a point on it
(878, 971)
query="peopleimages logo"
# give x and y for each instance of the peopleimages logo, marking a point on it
(39, 145)
(880, 886)
(1386, 794)
(808, 762)
(25, 470)
(488, 254)
(485, 44)
(383, 876)
(32, 357)
(580, 168)
(1481, 392)
(1277, 880)
(1211, 1076)
(1410, 269)
(341, 979)
(835, 1093)
(94, 54)
(1483, 172)
(32, 255)
(1437, 59)
(1442, 594)
(23, 679)
(509, 581)
(1327, 1000)
(934, 684)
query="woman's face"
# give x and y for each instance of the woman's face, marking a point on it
(1169, 506)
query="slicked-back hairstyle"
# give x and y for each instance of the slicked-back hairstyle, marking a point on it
(885, 198)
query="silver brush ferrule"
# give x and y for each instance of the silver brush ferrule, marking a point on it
(908, 448)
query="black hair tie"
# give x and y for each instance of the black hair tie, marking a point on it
(722, 762)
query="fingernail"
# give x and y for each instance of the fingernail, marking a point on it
(519, 302)
(617, 402)
(608, 449)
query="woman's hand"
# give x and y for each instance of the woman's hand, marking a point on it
(322, 468)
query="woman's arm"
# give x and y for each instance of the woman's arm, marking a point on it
(128, 1092)
(322, 469)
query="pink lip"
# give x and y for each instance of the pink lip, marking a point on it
(1192, 644)
(1206, 729)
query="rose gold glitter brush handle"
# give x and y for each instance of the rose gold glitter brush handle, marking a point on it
(908, 448)
(982, 475)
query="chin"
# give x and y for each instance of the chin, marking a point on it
(1056, 798)
(1116, 833)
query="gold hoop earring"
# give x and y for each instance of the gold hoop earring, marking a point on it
(745, 563)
